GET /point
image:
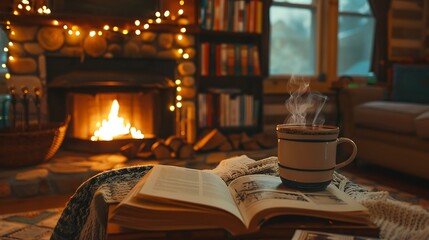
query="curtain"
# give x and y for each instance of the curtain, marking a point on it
(379, 66)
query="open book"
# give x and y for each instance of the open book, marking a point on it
(176, 198)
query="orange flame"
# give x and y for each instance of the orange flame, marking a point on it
(114, 127)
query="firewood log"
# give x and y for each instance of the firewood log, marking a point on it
(175, 142)
(248, 143)
(186, 151)
(225, 147)
(266, 140)
(161, 150)
(235, 140)
(210, 141)
(129, 150)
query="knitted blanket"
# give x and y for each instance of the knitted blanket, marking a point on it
(85, 216)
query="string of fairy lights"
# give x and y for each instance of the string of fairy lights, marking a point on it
(137, 27)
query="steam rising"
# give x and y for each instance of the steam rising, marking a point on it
(304, 106)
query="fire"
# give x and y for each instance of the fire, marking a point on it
(114, 127)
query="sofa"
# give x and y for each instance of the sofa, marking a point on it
(391, 130)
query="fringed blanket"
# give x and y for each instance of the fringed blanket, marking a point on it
(85, 216)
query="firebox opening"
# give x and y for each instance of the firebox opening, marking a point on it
(88, 112)
(85, 90)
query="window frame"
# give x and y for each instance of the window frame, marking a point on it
(326, 43)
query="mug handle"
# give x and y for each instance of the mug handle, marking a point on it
(352, 156)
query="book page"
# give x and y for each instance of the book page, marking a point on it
(254, 194)
(184, 185)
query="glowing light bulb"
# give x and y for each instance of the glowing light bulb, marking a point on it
(92, 33)
(20, 6)
(55, 22)
(70, 32)
(179, 37)
(180, 12)
(185, 56)
(11, 58)
(3, 65)
(172, 108)
(158, 20)
(178, 104)
(138, 32)
(5, 49)
(179, 89)
(146, 26)
(183, 30)
(65, 27)
(12, 32)
(166, 13)
(28, 8)
(106, 27)
(180, 50)
(150, 21)
(40, 11)
(158, 14)
(10, 44)
(181, 2)
(100, 33)
(125, 31)
(7, 76)
(179, 98)
(74, 28)
(15, 12)
(178, 82)
(77, 33)
(137, 22)
(115, 28)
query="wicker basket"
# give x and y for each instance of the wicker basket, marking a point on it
(35, 145)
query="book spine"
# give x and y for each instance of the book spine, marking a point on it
(201, 109)
(237, 54)
(244, 59)
(256, 61)
(259, 16)
(224, 59)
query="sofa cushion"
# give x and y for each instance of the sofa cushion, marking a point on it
(391, 116)
(422, 125)
(410, 83)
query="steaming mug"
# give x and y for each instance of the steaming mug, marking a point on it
(307, 155)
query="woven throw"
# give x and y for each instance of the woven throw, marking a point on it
(85, 216)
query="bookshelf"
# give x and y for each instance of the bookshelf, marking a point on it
(231, 47)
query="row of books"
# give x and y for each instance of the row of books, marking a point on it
(232, 15)
(228, 59)
(227, 110)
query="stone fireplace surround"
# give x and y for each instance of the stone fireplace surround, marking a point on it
(34, 45)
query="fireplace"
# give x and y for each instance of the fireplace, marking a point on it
(98, 93)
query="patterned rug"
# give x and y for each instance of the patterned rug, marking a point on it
(39, 224)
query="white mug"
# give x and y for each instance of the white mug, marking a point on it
(307, 155)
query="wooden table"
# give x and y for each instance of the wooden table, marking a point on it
(276, 228)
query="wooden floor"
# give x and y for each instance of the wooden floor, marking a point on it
(394, 179)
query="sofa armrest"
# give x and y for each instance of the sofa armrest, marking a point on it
(351, 97)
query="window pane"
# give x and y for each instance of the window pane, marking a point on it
(292, 41)
(356, 6)
(355, 42)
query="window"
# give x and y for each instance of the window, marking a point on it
(300, 35)
(355, 37)
(292, 37)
